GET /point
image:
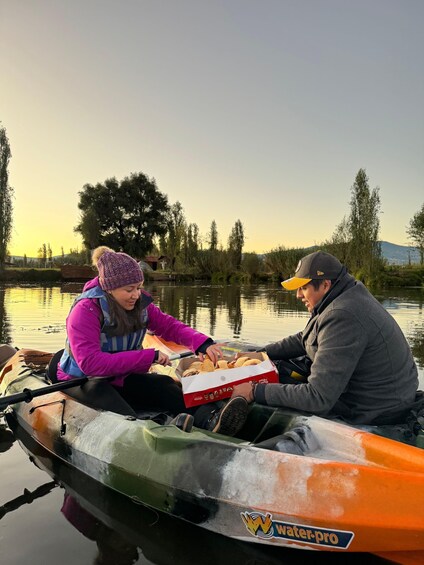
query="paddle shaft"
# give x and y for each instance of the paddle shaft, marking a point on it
(27, 394)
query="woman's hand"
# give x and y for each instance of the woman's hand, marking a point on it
(214, 352)
(163, 359)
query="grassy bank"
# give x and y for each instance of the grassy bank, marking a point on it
(30, 275)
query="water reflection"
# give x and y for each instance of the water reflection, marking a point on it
(416, 341)
(267, 305)
(407, 308)
(188, 302)
(34, 316)
(4, 322)
(26, 498)
(112, 548)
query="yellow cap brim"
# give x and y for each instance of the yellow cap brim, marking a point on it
(294, 283)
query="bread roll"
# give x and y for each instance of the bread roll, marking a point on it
(241, 361)
(251, 362)
(207, 366)
(190, 372)
(222, 364)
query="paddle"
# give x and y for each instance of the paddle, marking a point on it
(27, 394)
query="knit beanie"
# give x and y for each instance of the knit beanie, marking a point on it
(116, 269)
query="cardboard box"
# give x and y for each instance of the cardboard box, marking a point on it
(218, 385)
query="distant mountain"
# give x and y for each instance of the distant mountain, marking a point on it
(399, 254)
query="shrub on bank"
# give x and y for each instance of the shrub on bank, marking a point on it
(219, 277)
(393, 276)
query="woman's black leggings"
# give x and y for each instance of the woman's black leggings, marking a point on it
(152, 390)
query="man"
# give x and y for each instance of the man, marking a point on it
(361, 366)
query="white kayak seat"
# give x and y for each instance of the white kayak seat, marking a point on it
(297, 441)
(158, 416)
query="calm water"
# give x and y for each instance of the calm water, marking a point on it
(32, 527)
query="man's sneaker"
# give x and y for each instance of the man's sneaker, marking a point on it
(183, 421)
(231, 418)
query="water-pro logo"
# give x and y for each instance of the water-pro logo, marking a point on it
(264, 527)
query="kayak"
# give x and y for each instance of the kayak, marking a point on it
(117, 524)
(288, 479)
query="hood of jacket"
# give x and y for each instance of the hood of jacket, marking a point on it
(343, 282)
(91, 284)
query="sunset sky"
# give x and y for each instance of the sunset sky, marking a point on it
(262, 111)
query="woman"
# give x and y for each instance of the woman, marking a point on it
(105, 330)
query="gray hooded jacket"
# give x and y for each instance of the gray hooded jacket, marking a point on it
(362, 367)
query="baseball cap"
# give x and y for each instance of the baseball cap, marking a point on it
(318, 265)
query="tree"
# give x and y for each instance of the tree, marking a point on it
(191, 245)
(171, 244)
(235, 244)
(415, 232)
(90, 229)
(6, 193)
(283, 261)
(355, 240)
(42, 255)
(129, 214)
(340, 243)
(213, 237)
(252, 264)
(364, 225)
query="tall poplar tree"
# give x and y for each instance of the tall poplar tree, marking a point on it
(364, 225)
(355, 240)
(235, 244)
(172, 242)
(415, 232)
(6, 193)
(213, 237)
(190, 245)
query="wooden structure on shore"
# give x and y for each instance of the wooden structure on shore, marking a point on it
(77, 272)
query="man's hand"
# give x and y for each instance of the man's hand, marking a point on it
(245, 390)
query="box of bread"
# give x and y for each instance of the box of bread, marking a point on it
(204, 382)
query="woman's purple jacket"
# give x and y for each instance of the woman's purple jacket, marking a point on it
(83, 326)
